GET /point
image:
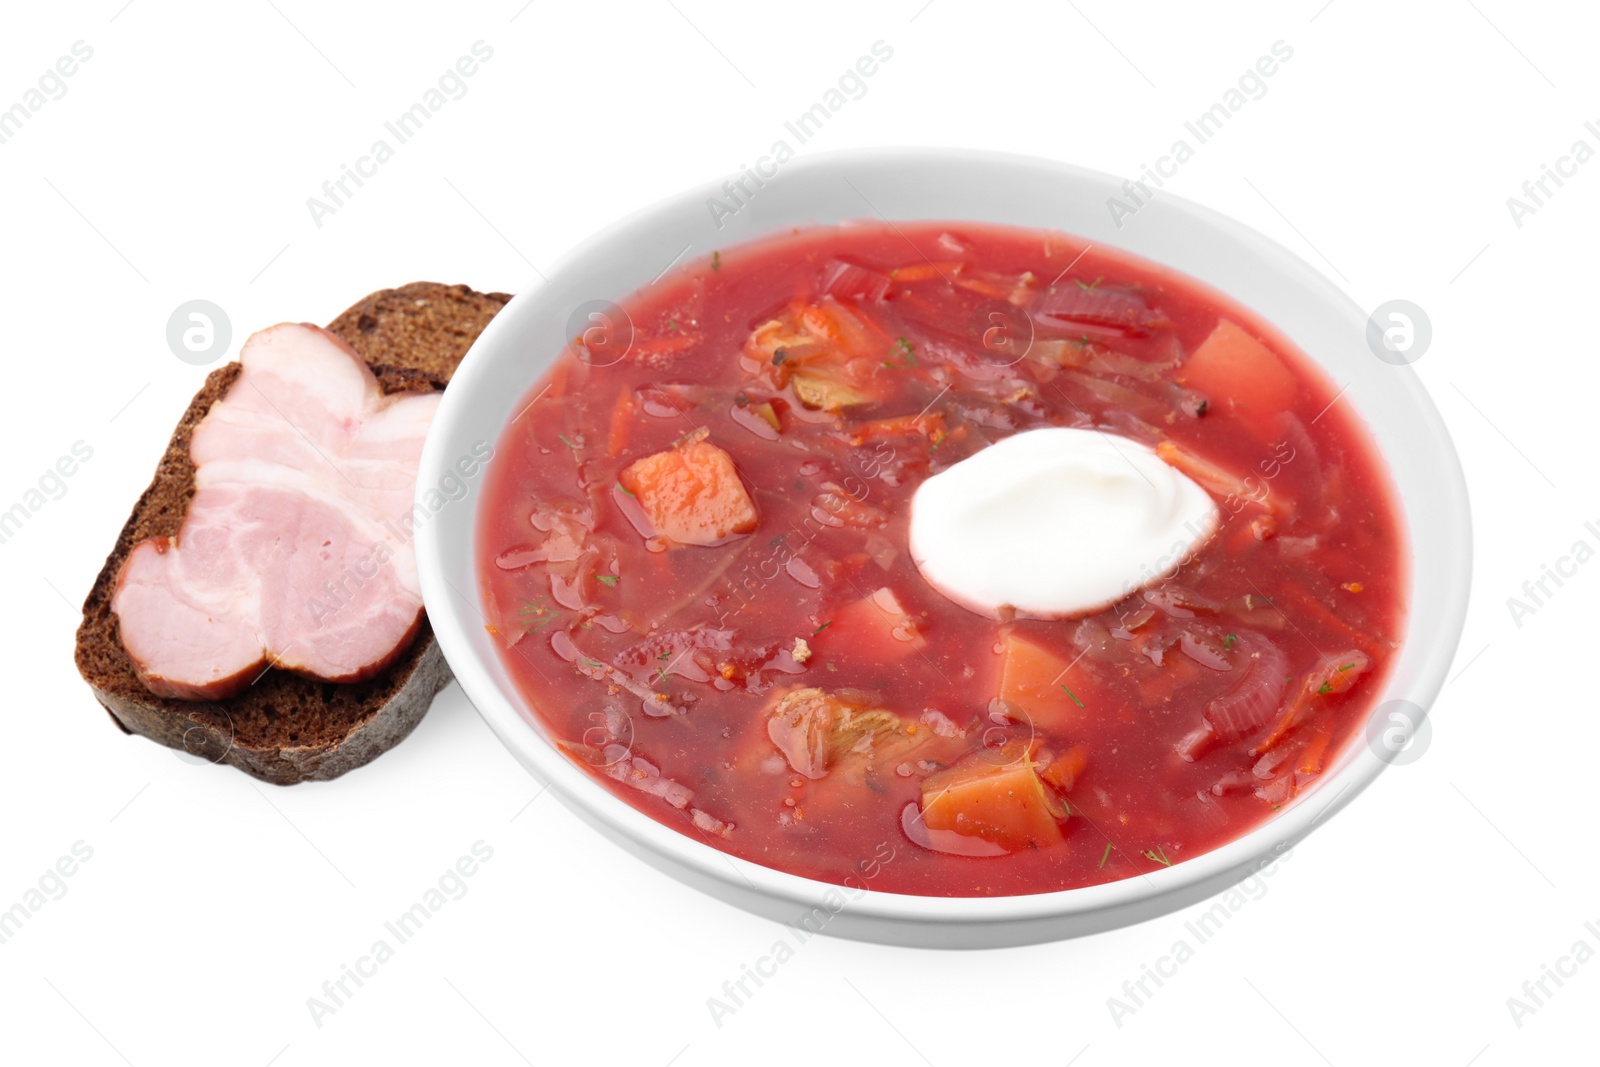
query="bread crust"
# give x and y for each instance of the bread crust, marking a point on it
(286, 728)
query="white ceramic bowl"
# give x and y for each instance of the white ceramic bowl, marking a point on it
(937, 184)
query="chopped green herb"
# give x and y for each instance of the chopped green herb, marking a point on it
(1090, 285)
(909, 354)
(1327, 687)
(567, 441)
(821, 628)
(531, 607)
(1228, 640)
(625, 489)
(609, 579)
(665, 655)
(591, 662)
(1105, 856)
(1346, 667)
(1157, 855)
(1073, 695)
(672, 324)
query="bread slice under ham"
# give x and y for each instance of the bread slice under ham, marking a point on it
(295, 551)
(286, 727)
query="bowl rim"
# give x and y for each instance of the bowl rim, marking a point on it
(1432, 651)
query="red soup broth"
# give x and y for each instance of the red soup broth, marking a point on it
(693, 552)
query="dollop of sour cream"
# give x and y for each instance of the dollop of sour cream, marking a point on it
(1055, 522)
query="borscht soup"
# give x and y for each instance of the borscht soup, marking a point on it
(941, 558)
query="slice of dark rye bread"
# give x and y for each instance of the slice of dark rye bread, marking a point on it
(287, 728)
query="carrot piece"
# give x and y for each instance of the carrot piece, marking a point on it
(863, 337)
(1063, 771)
(921, 272)
(930, 308)
(1286, 723)
(1033, 679)
(1316, 748)
(821, 325)
(985, 288)
(853, 335)
(996, 796)
(1328, 678)
(930, 426)
(1326, 617)
(623, 414)
(662, 346)
(1238, 372)
(1212, 478)
(692, 495)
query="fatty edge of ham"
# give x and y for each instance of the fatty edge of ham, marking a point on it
(296, 550)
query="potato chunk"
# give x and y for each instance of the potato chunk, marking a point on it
(997, 796)
(692, 495)
(1237, 372)
(1034, 680)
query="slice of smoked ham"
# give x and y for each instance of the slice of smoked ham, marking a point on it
(296, 548)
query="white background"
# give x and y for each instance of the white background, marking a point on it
(177, 166)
